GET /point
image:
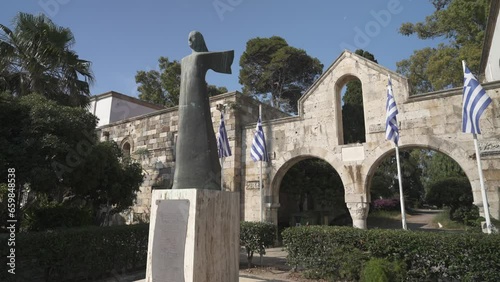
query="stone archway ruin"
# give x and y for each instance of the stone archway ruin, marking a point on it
(431, 120)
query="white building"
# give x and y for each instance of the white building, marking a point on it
(112, 106)
(490, 59)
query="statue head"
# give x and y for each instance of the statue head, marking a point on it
(196, 42)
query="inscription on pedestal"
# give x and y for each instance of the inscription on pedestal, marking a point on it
(170, 240)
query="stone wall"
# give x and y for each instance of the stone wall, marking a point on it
(152, 139)
(429, 121)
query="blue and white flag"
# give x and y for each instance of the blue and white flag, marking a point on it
(474, 102)
(259, 150)
(391, 123)
(222, 141)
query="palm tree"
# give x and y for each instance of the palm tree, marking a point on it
(36, 56)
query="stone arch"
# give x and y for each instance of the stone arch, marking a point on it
(281, 166)
(339, 85)
(126, 145)
(285, 162)
(454, 152)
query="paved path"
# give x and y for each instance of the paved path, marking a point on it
(274, 256)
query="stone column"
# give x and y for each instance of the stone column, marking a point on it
(359, 212)
(271, 214)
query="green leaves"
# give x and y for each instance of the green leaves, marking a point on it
(36, 56)
(424, 256)
(78, 254)
(271, 66)
(255, 237)
(463, 24)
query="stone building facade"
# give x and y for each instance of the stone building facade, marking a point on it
(151, 139)
(429, 121)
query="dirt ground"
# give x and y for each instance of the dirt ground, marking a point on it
(274, 268)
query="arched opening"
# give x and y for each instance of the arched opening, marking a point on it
(126, 149)
(311, 193)
(433, 184)
(353, 116)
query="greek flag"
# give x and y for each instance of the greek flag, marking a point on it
(474, 102)
(222, 141)
(391, 124)
(258, 150)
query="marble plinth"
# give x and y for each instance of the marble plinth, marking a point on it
(193, 236)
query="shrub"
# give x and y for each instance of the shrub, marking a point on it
(58, 216)
(466, 215)
(255, 237)
(382, 270)
(452, 192)
(77, 254)
(342, 263)
(427, 256)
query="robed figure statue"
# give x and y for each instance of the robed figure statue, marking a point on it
(196, 160)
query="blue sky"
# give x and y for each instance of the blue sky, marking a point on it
(121, 37)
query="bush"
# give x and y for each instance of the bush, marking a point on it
(342, 263)
(255, 237)
(452, 192)
(382, 270)
(58, 216)
(77, 254)
(466, 215)
(427, 256)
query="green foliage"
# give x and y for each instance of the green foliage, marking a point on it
(37, 133)
(271, 66)
(451, 192)
(382, 270)
(310, 247)
(385, 182)
(415, 69)
(36, 56)
(463, 24)
(163, 87)
(439, 166)
(427, 256)
(255, 237)
(57, 216)
(107, 179)
(54, 149)
(314, 179)
(77, 254)
(342, 263)
(468, 215)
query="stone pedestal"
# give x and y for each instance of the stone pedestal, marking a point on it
(193, 236)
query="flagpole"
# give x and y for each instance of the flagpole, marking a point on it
(222, 174)
(486, 208)
(260, 176)
(393, 134)
(222, 161)
(401, 197)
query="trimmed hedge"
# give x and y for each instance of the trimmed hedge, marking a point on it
(77, 254)
(255, 237)
(428, 256)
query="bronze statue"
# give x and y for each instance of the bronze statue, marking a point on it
(197, 164)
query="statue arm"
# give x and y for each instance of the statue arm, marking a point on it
(221, 61)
